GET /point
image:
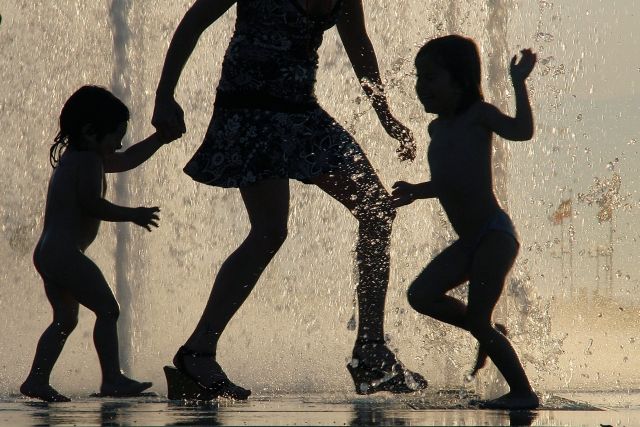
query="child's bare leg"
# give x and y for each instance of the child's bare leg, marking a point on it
(491, 264)
(65, 319)
(427, 294)
(87, 285)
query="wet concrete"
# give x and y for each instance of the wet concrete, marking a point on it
(443, 408)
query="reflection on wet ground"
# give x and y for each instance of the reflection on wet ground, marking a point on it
(444, 408)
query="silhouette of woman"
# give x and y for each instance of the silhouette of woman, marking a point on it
(267, 128)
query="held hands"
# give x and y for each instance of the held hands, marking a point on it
(401, 133)
(146, 217)
(403, 194)
(168, 119)
(520, 70)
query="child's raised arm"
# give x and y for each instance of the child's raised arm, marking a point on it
(520, 127)
(133, 156)
(89, 192)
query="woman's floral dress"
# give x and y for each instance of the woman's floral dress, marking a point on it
(267, 122)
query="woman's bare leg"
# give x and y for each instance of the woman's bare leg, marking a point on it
(267, 205)
(362, 193)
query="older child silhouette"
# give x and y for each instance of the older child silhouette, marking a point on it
(459, 155)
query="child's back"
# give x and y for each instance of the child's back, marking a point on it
(66, 222)
(460, 164)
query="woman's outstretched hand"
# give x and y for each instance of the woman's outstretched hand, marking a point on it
(401, 133)
(168, 119)
(520, 70)
(403, 194)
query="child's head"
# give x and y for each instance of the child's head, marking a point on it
(449, 73)
(89, 115)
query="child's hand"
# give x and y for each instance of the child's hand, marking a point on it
(168, 119)
(402, 194)
(146, 217)
(401, 133)
(520, 71)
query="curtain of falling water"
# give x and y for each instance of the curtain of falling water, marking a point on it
(121, 86)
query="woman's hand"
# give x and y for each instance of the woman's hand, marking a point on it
(401, 133)
(403, 194)
(168, 119)
(146, 217)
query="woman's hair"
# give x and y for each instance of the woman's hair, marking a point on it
(90, 105)
(459, 56)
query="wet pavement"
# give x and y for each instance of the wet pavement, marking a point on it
(441, 408)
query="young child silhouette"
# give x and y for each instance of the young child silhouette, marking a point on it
(92, 124)
(459, 156)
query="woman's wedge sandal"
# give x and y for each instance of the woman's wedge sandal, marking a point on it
(182, 385)
(394, 378)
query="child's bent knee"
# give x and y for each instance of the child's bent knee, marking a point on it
(418, 299)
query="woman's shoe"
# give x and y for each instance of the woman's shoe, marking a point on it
(182, 385)
(391, 376)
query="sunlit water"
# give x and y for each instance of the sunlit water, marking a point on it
(571, 302)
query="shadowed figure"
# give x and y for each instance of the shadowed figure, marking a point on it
(92, 125)
(267, 128)
(459, 155)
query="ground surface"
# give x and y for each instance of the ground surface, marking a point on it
(444, 408)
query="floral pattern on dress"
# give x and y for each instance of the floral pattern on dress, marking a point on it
(245, 146)
(273, 56)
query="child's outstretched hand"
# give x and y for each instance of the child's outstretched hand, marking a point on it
(402, 194)
(520, 70)
(146, 217)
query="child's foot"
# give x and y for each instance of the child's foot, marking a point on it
(42, 391)
(481, 358)
(124, 387)
(512, 401)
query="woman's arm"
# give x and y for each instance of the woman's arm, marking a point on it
(353, 33)
(168, 117)
(362, 56)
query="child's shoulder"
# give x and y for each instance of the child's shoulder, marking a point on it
(81, 158)
(482, 109)
(433, 125)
